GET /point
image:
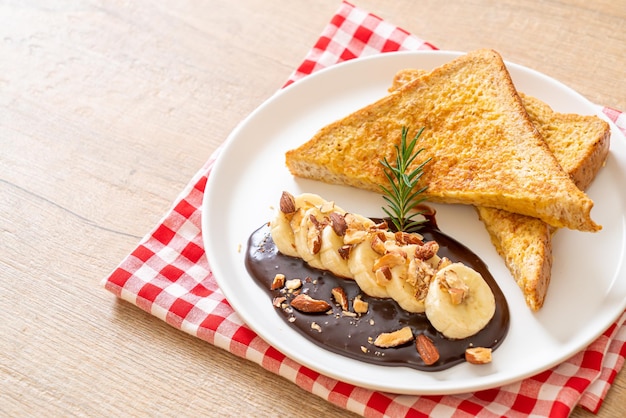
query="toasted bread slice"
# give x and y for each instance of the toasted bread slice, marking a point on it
(483, 147)
(581, 145)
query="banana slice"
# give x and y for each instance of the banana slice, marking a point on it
(281, 226)
(410, 281)
(354, 230)
(361, 265)
(282, 234)
(404, 284)
(308, 227)
(307, 237)
(459, 302)
(330, 254)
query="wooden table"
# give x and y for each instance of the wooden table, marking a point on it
(107, 109)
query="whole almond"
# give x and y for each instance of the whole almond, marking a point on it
(426, 349)
(287, 203)
(305, 303)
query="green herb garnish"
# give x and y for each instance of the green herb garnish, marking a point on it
(401, 196)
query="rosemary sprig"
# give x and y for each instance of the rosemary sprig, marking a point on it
(402, 195)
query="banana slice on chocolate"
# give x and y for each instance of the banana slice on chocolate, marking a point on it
(409, 282)
(361, 263)
(459, 302)
(334, 253)
(308, 237)
(456, 299)
(281, 227)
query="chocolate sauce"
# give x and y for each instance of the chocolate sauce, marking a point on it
(353, 336)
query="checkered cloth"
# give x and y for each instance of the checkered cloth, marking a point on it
(169, 276)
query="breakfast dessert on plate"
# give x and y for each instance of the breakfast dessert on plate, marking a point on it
(365, 289)
(397, 290)
(483, 147)
(580, 143)
(404, 286)
(384, 263)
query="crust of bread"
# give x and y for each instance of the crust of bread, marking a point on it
(484, 149)
(581, 145)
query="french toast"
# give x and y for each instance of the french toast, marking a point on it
(580, 144)
(483, 148)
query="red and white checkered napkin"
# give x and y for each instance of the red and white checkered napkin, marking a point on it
(169, 276)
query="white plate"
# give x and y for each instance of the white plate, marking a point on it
(588, 290)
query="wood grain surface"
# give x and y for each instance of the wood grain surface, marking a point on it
(107, 109)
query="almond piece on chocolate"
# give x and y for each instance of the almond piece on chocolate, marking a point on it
(340, 297)
(278, 281)
(395, 338)
(293, 284)
(278, 301)
(426, 349)
(478, 355)
(305, 303)
(359, 305)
